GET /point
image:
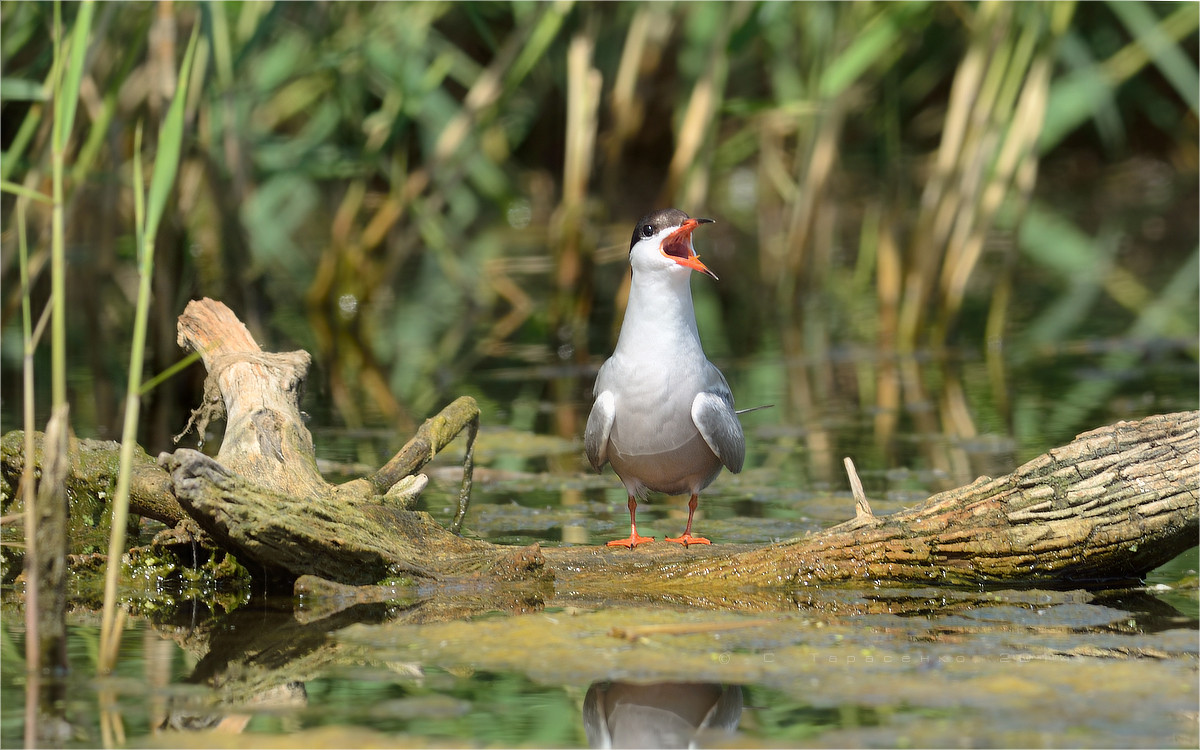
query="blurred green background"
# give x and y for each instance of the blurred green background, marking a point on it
(435, 199)
(950, 236)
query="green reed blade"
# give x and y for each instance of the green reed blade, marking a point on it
(170, 141)
(24, 192)
(68, 98)
(166, 165)
(1170, 58)
(169, 373)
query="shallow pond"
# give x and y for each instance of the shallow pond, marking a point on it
(828, 666)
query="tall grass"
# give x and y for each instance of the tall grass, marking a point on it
(371, 161)
(66, 98)
(46, 510)
(418, 192)
(148, 213)
(28, 483)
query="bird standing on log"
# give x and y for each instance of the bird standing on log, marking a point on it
(663, 414)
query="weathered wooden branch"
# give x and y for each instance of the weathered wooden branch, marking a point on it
(264, 500)
(282, 537)
(1112, 505)
(259, 395)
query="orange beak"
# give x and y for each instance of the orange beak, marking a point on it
(678, 246)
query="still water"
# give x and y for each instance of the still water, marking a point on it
(853, 666)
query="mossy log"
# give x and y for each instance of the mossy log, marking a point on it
(92, 473)
(1110, 506)
(1113, 504)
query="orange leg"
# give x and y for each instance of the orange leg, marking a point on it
(633, 540)
(687, 537)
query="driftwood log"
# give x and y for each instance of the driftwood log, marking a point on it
(1110, 506)
(1114, 504)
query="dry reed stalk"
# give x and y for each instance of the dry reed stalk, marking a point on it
(987, 157)
(50, 542)
(1135, 55)
(33, 657)
(1012, 174)
(812, 187)
(936, 212)
(47, 536)
(772, 171)
(624, 106)
(687, 173)
(112, 727)
(572, 250)
(584, 83)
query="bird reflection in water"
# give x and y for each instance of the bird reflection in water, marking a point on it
(664, 714)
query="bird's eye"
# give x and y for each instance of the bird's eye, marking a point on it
(647, 230)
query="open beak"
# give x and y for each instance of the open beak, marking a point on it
(678, 246)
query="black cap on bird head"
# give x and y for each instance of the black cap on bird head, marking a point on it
(678, 244)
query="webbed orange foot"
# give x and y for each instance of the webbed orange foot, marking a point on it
(686, 539)
(633, 541)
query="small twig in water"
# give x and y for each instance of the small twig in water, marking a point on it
(464, 495)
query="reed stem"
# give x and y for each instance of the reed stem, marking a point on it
(148, 211)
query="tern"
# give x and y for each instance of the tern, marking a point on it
(663, 414)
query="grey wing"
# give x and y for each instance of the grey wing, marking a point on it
(599, 425)
(714, 417)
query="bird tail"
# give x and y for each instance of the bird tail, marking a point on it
(753, 408)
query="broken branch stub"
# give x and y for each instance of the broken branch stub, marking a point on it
(265, 437)
(264, 500)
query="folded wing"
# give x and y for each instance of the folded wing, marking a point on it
(718, 424)
(599, 426)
